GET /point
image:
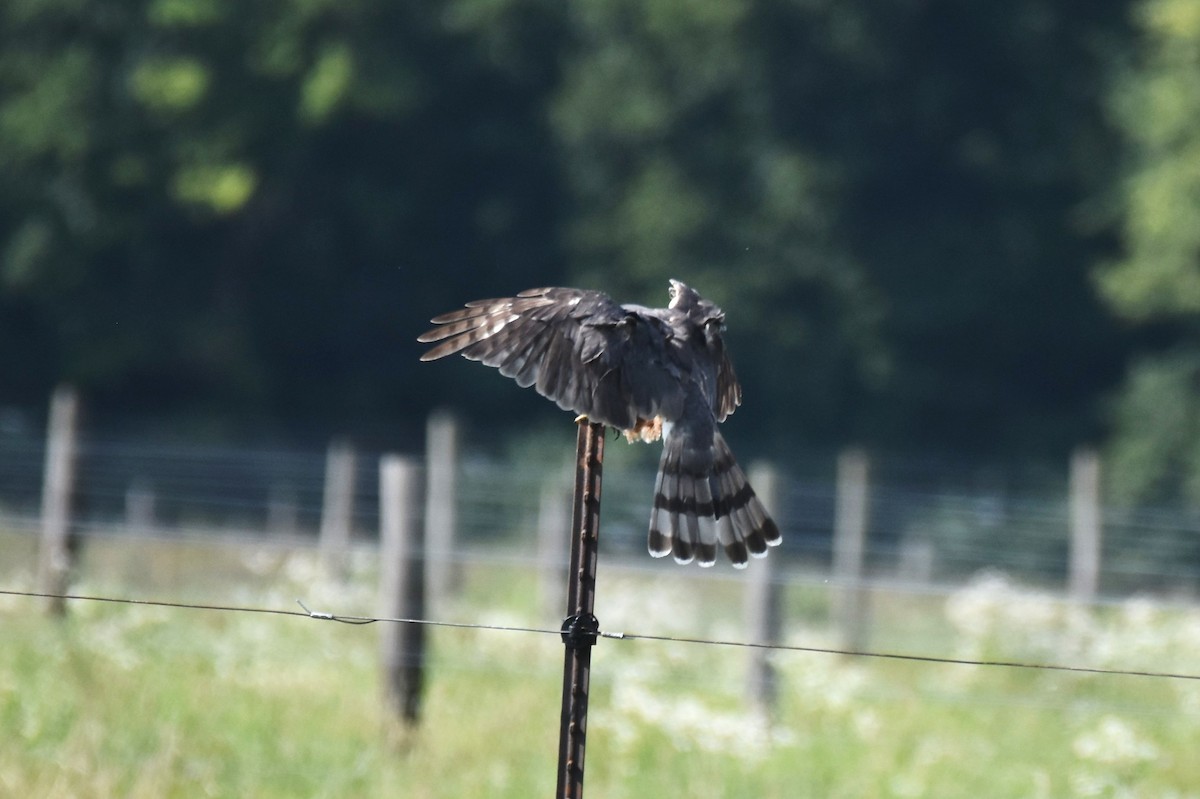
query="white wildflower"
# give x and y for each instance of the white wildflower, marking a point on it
(690, 723)
(262, 561)
(1114, 741)
(1088, 783)
(867, 724)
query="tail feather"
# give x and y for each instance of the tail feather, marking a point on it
(700, 525)
(737, 520)
(735, 548)
(659, 541)
(685, 499)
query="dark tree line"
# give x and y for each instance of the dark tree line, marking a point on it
(932, 224)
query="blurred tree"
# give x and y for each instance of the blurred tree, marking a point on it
(672, 139)
(243, 211)
(980, 141)
(1156, 282)
(889, 189)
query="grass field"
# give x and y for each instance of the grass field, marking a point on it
(133, 701)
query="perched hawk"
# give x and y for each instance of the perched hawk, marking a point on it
(650, 372)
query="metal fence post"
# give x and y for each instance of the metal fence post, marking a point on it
(581, 628)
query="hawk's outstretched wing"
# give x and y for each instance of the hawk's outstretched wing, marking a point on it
(579, 348)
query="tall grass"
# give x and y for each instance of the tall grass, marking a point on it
(155, 702)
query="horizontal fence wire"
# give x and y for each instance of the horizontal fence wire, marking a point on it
(932, 524)
(305, 612)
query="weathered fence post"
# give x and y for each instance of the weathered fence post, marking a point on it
(1086, 525)
(852, 518)
(554, 516)
(58, 484)
(401, 584)
(763, 605)
(441, 496)
(337, 509)
(139, 507)
(580, 629)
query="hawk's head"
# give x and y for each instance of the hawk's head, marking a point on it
(685, 298)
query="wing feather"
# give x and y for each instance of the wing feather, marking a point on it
(729, 391)
(576, 347)
(522, 364)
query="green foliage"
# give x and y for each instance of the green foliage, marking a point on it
(1156, 454)
(222, 187)
(327, 83)
(241, 211)
(170, 85)
(244, 211)
(674, 144)
(1155, 101)
(1157, 104)
(888, 188)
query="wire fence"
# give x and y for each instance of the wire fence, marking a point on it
(963, 591)
(930, 521)
(188, 528)
(221, 516)
(318, 615)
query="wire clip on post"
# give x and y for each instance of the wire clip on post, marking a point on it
(580, 631)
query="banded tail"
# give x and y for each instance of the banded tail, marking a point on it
(702, 501)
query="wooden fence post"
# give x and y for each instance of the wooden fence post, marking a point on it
(337, 509)
(401, 584)
(850, 526)
(441, 496)
(763, 603)
(56, 550)
(1086, 525)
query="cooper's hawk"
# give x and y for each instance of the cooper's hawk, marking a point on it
(646, 371)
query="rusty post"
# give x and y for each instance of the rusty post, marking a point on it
(581, 628)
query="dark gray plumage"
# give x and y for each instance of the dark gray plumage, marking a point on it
(643, 371)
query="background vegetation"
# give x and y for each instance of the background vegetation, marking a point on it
(935, 226)
(158, 702)
(940, 230)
